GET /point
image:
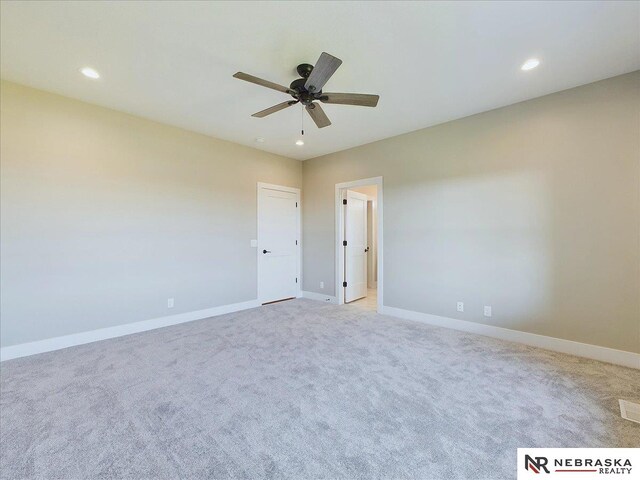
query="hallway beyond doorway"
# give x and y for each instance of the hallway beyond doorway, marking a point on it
(370, 302)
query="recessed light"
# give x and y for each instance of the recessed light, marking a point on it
(299, 143)
(530, 64)
(260, 139)
(90, 73)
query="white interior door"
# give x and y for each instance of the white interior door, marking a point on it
(355, 255)
(278, 243)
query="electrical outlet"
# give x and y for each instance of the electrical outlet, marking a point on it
(169, 302)
(322, 285)
(460, 306)
(487, 310)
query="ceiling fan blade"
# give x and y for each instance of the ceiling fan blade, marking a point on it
(274, 109)
(318, 115)
(321, 73)
(259, 81)
(361, 99)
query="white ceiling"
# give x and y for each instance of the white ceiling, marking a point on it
(430, 62)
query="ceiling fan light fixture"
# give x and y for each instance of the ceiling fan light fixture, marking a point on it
(530, 64)
(299, 143)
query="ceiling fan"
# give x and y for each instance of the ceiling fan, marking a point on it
(307, 90)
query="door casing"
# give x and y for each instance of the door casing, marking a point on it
(339, 256)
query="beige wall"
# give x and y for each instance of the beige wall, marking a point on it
(370, 191)
(533, 209)
(105, 216)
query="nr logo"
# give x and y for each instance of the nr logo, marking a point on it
(536, 464)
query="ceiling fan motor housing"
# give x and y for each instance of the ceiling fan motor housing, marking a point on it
(303, 95)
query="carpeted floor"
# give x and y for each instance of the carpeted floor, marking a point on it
(302, 390)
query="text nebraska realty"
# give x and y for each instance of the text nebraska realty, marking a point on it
(618, 466)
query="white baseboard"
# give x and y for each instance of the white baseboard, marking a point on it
(604, 354)
(320, 297)
(56, 343)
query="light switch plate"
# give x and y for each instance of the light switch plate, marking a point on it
(254, 243)
(487, 310)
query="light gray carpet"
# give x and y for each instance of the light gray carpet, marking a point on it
(302, 390)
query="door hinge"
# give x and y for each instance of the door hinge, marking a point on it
(344, 201)
(344, 284)
(296, 242)
(344, 243)
(296, 279)
(296, 204)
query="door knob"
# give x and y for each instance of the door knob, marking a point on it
(266, 251)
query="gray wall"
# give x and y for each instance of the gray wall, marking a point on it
(105, 216)
(532, 208)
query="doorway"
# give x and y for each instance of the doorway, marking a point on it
(359, 227)
(278, 243)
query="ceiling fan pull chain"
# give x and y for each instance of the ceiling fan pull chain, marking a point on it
(302, 120)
